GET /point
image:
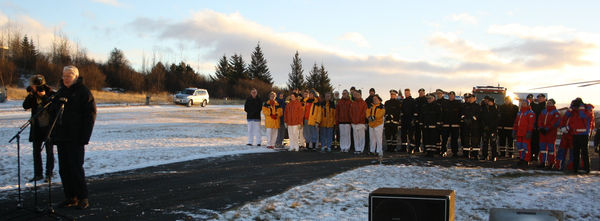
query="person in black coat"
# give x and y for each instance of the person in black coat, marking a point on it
(431, 119)
(537, 107)
(407, 122)
(72, 132)
(451, 111)
(38, 96)
(508, 114)
(489, 119)
(393, 112)
(419, 103)
(253, 107)
(471, 127)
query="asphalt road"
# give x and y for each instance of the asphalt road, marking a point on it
(204, 186)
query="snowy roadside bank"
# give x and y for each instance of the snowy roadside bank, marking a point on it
(345, 196)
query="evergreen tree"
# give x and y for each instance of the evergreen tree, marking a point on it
(238, 69)
(324, 85)
(313, 78)
(258, 67)
(296, 77)
(223, 69)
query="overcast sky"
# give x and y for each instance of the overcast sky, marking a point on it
(453, 45)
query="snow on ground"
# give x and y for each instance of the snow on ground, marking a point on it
(345, 196)
(133, 137)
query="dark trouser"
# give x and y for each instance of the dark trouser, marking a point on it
(391, 135)
(281, 134)
(407, 135)
(505, 141)
(580, 149)
(72, 175)
(471, 136)
(452, 133)
(37, 158)
(430, 140)
(336, 136)
(535, 143)
(489, 139)
(418, 136)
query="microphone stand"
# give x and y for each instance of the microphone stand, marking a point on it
(49, 211)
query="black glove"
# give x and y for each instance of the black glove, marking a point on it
(543, 131)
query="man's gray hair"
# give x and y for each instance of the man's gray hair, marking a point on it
(72, 69)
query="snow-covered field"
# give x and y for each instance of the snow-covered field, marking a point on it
(134, 137)
(345, 196)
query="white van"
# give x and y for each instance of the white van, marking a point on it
(191, 96)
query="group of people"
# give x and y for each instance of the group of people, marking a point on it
(64, 118)
(428, 123)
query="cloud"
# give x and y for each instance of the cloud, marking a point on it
(464, 18)
(114, 3)
(356, 38)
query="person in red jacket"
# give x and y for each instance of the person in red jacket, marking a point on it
(548, 123)
(293, 117)
(357, 113)
(523, 128)
(344, 120)
(581, 124)
(565, 145)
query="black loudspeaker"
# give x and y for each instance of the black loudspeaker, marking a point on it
(499, 214)
(411, 204)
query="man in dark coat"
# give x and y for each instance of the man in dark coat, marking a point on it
(471, 127)
(38, 97)
(508, 114)
(71, 133)
(489, 120)
(407, 122)
(253, 107)
(392, 120)
(419, 103)
(431, 119)
(537, 107)
(451, 123)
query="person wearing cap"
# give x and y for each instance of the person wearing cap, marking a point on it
(293, 118)
(72, 134)
(369, 99)
(357, 113)
(537, 106)
(38, 95)
(548, 123)
(344, 121)
(328, 120)
(312, 119)
(282, 131)
(441, 101)
(451, 111)
(407, 122)
(419, 103)
(352, 90)
(508, 113)
(374, 117)
(471, 127)
(431, 119)
(393, 112)
(490, 117)
(523, 128)
(581, 123)
(272, 111)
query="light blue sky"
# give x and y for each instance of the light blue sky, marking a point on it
(397, 44)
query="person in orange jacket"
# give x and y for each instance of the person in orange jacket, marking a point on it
(327, 122)
(293, 117)
(581, 123)
(344, 121)
(357, 113)
(272, 112)
(374, 116)
(522, 130)
(312, 119)
(548, 123)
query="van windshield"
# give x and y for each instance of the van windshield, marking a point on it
(190, 92)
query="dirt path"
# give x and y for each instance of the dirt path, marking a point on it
(206, 186)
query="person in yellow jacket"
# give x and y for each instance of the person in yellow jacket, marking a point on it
(272, 112)
(328, 121)
(375, 118)
(312, 119)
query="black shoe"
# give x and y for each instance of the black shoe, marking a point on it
(83, 204)
(258, 145)
(36, 178)
(68, 203)
(249, 144)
